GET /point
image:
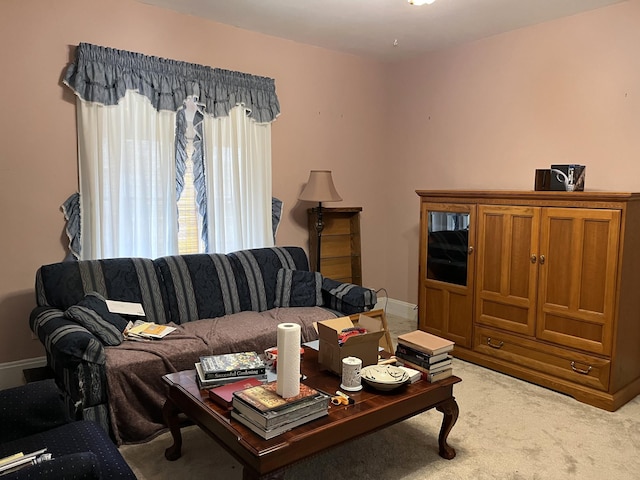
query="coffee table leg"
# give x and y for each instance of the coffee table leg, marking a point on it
(450, 410)
(170, 415)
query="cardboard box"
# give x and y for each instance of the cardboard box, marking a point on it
(330, 355)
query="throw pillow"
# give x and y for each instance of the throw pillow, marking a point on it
(298, 288)
(94, 315)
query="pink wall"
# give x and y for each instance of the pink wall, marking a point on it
(332, 117)
(487, 114)
(484, 115)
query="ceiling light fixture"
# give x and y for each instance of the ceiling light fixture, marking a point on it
(421, 2)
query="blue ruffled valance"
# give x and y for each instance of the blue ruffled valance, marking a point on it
(103, 75)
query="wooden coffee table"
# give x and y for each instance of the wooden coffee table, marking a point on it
(267, 459)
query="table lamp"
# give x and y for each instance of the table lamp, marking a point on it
(319, 188)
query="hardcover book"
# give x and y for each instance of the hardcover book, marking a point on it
(432, 370)
(216, 382)
(419, 355)
(223, 394)
(426, 342)
(434, 377)
(232, 365)
(275, 418)
(265, 397)
(274, 432)
(414, 375)
(427, 365)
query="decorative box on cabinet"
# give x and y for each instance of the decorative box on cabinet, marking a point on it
(340, 243)
(548, 290)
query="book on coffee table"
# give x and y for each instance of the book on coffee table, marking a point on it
(265, 398)
(232, 365)
(426, 342)
(282, 414)
(275, 431)
(223, 394)
(419, 357)
(216, 382)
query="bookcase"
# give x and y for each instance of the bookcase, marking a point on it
(340, 247)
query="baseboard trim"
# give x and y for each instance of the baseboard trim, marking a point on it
(11, 372)
(398, 308)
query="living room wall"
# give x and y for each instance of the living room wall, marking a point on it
(486, 114)
(333, 117)
(483, 115)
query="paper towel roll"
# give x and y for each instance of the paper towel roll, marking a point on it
(288, 381)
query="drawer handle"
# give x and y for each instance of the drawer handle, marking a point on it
(580, 370)
(493, 345)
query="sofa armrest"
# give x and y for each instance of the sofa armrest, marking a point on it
(66, 341)
(347, 297)
(74, 466)
(30, 409)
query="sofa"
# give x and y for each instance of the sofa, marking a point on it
(33, 417)
(219, 303)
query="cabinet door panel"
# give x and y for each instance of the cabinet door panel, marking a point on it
(445, 305)
(449, 314)
(506, 274)
(578, 278)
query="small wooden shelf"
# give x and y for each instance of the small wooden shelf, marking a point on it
(340, 254)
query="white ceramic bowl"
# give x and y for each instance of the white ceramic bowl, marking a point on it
(384, 377)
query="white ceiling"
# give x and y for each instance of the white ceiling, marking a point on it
(371, 27)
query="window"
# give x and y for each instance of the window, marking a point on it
(153, 183)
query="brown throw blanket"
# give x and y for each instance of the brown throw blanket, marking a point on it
(135, 369)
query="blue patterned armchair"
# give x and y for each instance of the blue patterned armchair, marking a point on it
(33, 417)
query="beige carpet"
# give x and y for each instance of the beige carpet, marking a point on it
(507, 429)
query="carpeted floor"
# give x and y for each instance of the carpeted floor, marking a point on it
(507, 429)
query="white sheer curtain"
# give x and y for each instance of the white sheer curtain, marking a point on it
(132, 153)
(126, 155)
(237, 153)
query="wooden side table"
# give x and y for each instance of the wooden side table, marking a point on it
(340, 243)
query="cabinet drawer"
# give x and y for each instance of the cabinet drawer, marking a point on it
(572, 366)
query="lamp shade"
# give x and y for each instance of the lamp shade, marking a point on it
(320, 188)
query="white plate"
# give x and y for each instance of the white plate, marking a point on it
(384, 377)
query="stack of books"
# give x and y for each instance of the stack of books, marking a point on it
(426, 353)
(266, 413)
(216, 370)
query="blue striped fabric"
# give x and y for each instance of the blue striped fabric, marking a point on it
(213, 285)
(64, 284)
(298, 288)
(255, 282)
(199, 286)
(259, 267)
(94, 315)
(65, 338)
(347, 297)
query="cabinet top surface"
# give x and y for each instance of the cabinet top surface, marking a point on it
(588, 195)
